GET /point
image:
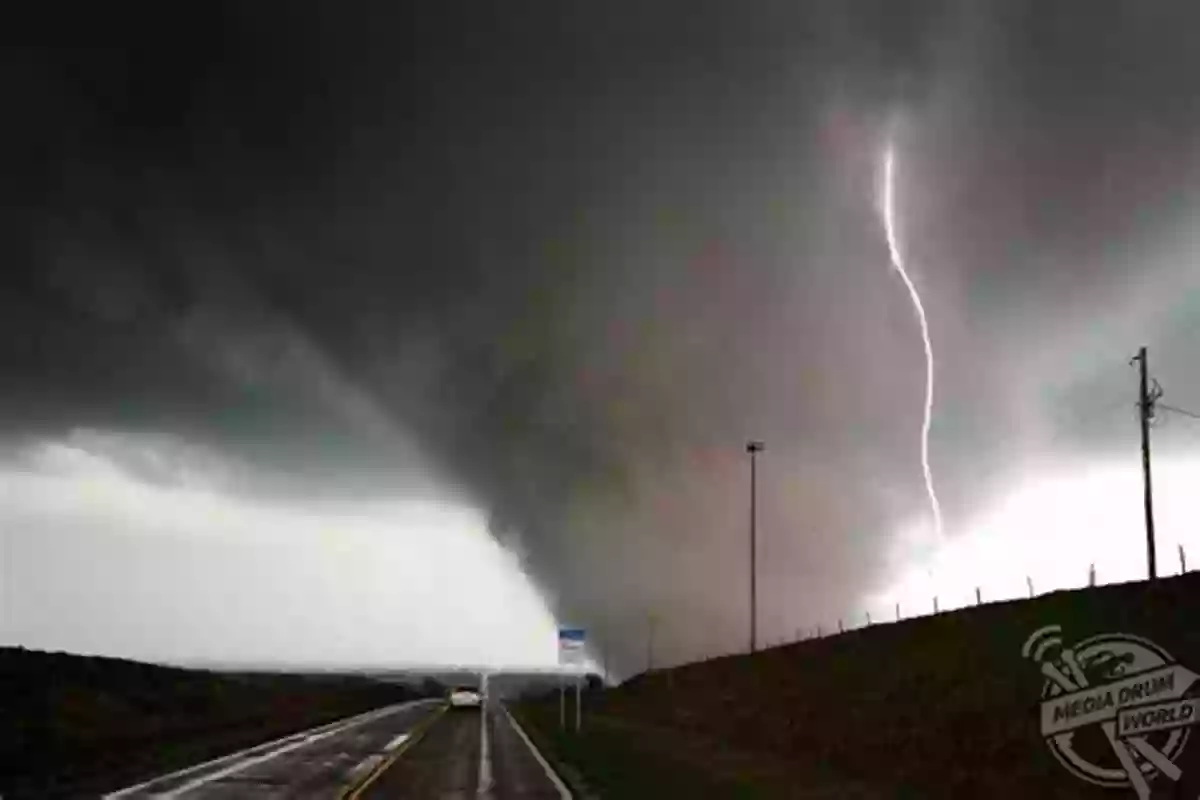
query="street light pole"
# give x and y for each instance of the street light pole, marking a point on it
(754, 448)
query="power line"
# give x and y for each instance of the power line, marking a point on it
(1183, 411)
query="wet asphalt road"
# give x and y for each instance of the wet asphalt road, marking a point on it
(446, 763)
(316, 763)
(516, 771)
(442, 762)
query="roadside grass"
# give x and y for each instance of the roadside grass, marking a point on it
(616, 758)
(936, 707)
(74, 726)
(604, 760)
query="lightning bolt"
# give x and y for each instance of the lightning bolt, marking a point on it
(889, 225)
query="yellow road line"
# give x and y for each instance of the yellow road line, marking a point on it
(354, 791)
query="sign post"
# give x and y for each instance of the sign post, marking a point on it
(571, 643)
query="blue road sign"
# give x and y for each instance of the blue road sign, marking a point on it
(571, 643)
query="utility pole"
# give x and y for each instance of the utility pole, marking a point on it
(1146, 401)
(753, 448)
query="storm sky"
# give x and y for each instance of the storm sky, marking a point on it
(510, 286)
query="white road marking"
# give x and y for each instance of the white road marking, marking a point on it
(239, 766)
(257, 754)
(394, 743)
(258, 748)
(375, 759)
(363, 767)
(485, 755)
(563, 792)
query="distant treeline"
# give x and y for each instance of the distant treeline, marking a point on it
(72, 725)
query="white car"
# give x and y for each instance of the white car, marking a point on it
(465, 697)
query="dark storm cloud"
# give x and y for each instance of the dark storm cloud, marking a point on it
(567, 259)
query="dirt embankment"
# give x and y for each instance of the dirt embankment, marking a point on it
(936, 707)
(77, 725)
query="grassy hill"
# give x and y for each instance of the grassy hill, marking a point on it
(75, 725)
(935, 707)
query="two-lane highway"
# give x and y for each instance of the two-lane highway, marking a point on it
(443, 765)
(465, 756)
(415, 750)
(314, 763)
